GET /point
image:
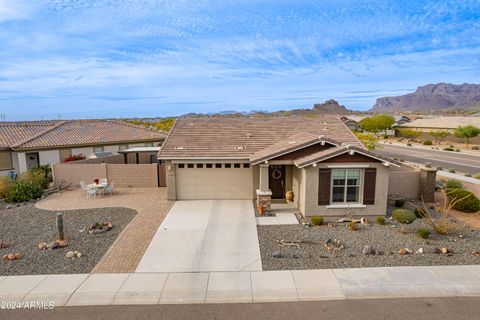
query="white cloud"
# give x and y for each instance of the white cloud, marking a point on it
(19, 9)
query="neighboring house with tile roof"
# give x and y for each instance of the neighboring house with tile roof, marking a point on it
(25, 145)
(320, 160)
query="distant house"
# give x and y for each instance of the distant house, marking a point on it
(351, 123)
(425, 125)
(26, 145)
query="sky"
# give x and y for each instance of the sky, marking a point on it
(152, 58)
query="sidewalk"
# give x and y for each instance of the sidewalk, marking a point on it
(246, 287)
(418, 146)
(458, 177)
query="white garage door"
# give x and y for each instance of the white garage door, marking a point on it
(214, 183)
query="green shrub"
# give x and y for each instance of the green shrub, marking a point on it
(317, 220)
(451, 170)
(23, 191)
(5, 184)
(467, 174)
(469, 202)
(453, 184)
(475, 148)
(409, 144)
(381, 221)
(448, 149)
(476, 175)
(399, 203)
(36, 177)
(352, 226)
(427, 142)
(420, 212)
(423, 233)
(457, 150)
(45, 170)
(403, 216)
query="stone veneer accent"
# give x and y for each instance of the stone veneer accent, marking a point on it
(264, 198)
(428, 178)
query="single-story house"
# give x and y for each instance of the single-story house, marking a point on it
(26, 145)
(320, 160)
(446, 123)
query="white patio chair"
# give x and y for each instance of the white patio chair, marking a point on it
(83, 186)
(92, 192)
(103, 181)
(109, 188)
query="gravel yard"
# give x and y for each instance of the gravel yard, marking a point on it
(25, 227)
(386, 240)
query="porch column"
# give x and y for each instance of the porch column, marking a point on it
(264, 195)
(264, 187)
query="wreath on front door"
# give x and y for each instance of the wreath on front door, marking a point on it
(276, 174)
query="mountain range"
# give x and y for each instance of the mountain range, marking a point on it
(433, 97)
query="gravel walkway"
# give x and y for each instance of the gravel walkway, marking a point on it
(27, 226)
(387, 240)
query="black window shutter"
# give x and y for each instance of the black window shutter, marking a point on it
(369, 186)
(324, 177)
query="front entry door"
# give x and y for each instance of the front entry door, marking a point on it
(32, 160)
(276, 181)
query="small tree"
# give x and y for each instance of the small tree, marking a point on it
(404, 216)
(438, 135)
(467, 132)
(375, 124)
(409, 134)
(368, 140)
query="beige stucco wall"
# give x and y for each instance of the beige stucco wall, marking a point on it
(49, 157)
(311, 206)
(171, 183)
(133, 175)
(123, 175)
(296, 183)
(256, 180)
(404, 183)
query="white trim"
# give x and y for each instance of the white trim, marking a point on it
(346, 206)
(348, 166)
(213, 160)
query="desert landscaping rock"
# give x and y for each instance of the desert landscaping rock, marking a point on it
(383, 239)
(27, 227)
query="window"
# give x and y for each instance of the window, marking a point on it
(190, 165)
(5, 160)
(228, 165)
(149, 144)
(123, 147)
(246, 165)
(345, 185)
(208, 165)
(98, 149)
(199, 165)
(236, 165)
(181, 165)
(218, 165)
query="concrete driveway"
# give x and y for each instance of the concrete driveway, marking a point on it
(205, 235)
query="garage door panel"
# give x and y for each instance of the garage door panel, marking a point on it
(214, 183)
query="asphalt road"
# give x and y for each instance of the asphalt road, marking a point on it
(459, 161)
(388, 309)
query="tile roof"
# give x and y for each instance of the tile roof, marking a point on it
(11, 133)
(240, 138)
(44, 135)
